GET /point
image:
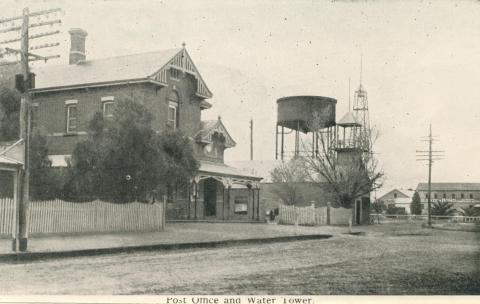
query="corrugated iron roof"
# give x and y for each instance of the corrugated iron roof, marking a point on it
(136, 66)
(222, 169)
(348, 120)
(449, 187)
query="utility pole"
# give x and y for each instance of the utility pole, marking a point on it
(23, 84)
(430, 156)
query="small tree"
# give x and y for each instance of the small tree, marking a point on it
(350, 175)
(416, 205)
(470, 211)
(9, 114)
(287, 179)
(42, 180)
(379, 206)
(442, 209)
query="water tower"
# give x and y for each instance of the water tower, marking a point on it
(304, 114)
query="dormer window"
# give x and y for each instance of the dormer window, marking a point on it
(172, 118)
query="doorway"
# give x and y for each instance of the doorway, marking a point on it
(210, 197)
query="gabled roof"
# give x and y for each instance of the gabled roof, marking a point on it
(449, 187)
(400, 194)
(11, 154)
(209, 127)
(348, 120)
(147, 67)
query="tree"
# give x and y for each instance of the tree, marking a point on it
(124, 159)
(470, 211)
(44, 183)
(9, 114)
(416, 205)
(287, 179)
(442, 209)
(379, 206)
(351, 174)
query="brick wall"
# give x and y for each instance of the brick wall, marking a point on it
(51, 109)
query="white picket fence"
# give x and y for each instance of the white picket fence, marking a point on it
(311, 216)
(7, 216)
(59, 216)
(398, 218)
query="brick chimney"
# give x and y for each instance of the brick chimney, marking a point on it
(77, 48)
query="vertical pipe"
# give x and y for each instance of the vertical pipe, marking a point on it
(258, 203)
(276, 141)
(196, 195)
(253, 203)
(282, 148)
(189, 201)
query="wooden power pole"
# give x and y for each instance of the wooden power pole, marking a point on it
(430, 156)
(25, 82)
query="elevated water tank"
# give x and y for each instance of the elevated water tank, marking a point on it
(302, 112)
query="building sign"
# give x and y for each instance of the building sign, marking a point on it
(241, 204)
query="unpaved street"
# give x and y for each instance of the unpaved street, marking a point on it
(388, 259)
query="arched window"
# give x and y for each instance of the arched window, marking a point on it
(173, 101)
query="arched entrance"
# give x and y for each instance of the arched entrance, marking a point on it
(210, 197)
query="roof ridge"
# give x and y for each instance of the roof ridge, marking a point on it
(110, 57)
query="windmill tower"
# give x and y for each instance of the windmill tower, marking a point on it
(361, 115)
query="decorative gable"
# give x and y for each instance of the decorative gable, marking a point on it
(210, 129)
(182, 62)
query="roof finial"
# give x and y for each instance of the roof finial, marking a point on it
(219, 117)
(184, 44)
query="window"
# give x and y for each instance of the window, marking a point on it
(108, 107)
(172, 116)
(444, 195)
(435, 196)
(426, 195)
(462, 196)
(471, 196)
(453, 195)
(34, 117)
(71, 116)
(175, 73)
(395, 195)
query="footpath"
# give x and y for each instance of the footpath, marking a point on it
(175, 236)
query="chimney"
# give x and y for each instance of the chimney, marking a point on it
(77, 48)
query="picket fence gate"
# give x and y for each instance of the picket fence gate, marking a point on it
(57, 216)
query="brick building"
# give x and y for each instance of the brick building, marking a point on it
(66, 97)
(460, 194)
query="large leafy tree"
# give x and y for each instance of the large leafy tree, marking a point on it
(124, 159)
(288, 178)
(416, 204)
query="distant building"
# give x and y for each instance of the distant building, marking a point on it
(398, 199)
(460, 194)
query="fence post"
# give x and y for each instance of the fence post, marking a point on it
(328, 213)
(164, 206)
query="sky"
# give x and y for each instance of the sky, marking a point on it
(420, 65)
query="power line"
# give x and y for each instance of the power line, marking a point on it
(24, 83)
